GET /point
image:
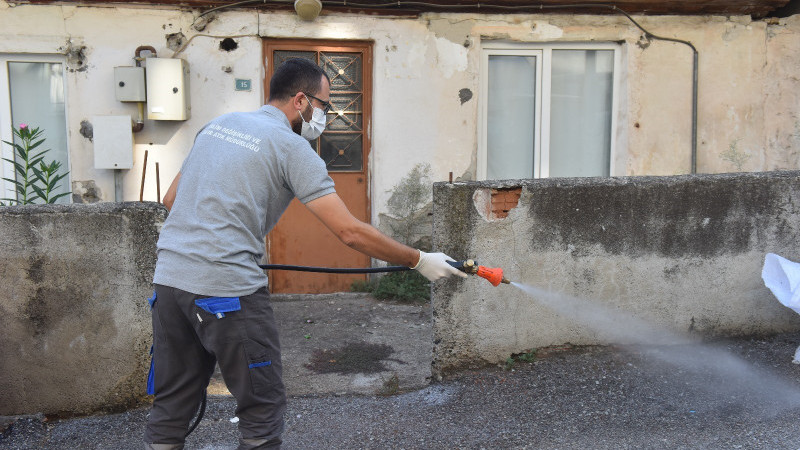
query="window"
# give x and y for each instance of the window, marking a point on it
(32, 92)
(547, 110)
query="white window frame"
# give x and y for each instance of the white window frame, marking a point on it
(543, 51)
(6, 168)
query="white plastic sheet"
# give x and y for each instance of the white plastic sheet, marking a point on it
(782, 277)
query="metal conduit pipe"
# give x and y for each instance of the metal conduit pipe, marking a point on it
(139, 125)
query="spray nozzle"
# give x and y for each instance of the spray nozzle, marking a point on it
(493, 274)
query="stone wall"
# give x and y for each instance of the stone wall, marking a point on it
(682, 253)
(73, 307)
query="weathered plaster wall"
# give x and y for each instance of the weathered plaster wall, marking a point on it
(73, 308)
(426, 84)
(684, 253)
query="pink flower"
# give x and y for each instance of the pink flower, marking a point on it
(22, 126)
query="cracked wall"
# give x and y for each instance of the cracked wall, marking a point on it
(426, 83)
(682, 252)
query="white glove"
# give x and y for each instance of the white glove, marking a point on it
(434, 266)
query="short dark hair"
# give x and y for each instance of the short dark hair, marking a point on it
(295, 75)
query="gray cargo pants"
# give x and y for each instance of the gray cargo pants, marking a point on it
(187, 343)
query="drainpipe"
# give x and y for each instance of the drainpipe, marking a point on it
(694, 91)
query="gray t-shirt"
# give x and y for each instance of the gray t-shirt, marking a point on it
(240, 176)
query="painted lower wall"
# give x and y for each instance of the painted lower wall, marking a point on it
(426, 84)
(681, 255)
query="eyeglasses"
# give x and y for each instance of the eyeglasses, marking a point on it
(326, 106)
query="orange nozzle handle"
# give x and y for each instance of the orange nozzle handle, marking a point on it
(494, 275)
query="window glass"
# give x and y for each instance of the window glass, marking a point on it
(547, 110)
(37, 99)
(580, 112)
(511, 117)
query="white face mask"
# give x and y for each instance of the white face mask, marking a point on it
(312, 130)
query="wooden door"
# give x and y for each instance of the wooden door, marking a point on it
(299, 238)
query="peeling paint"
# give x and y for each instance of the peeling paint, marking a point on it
(451, 57)
(86, 192)
(544, 30)
(451, 29)
(410, 64)
(76, 56)
(175, 41)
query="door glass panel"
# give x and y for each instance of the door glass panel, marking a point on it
(342, 152)
(279, 56)
(37, 99)
(341, 143)
(344, 69)
(511, 117)
(282, 55)
(346, 114)
(580, 113)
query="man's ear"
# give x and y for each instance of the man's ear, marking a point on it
(297, 100)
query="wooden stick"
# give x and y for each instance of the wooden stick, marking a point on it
(144, 170)
(158, 186)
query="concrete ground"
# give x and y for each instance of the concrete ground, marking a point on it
(357, 370)
(350, 343)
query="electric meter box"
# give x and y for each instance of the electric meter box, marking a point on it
(167, 82)
(129, 84)
(113, 142)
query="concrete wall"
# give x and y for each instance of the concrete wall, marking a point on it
(426, 84)
(73, 309)
(683, 253)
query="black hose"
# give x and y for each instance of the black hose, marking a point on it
(200, 414)
(334, 269)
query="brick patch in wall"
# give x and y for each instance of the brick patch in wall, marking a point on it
(504, 200)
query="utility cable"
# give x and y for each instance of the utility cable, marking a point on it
(490, 6)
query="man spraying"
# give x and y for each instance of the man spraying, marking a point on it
(212, 304)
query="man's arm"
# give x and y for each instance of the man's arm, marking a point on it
(169, 196)
(331, 210)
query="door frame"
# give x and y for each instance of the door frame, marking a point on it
(365, 48)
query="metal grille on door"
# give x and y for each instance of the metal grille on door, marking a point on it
(341, 145)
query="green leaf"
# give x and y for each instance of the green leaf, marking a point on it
(39, 192)
(20, 169)
(35, 161)
(56, 179)
(35, 144)
(56, 197)
(37, 156)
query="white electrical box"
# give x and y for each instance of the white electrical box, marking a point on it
(167, 82)
(113, 142)
(129, 84)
